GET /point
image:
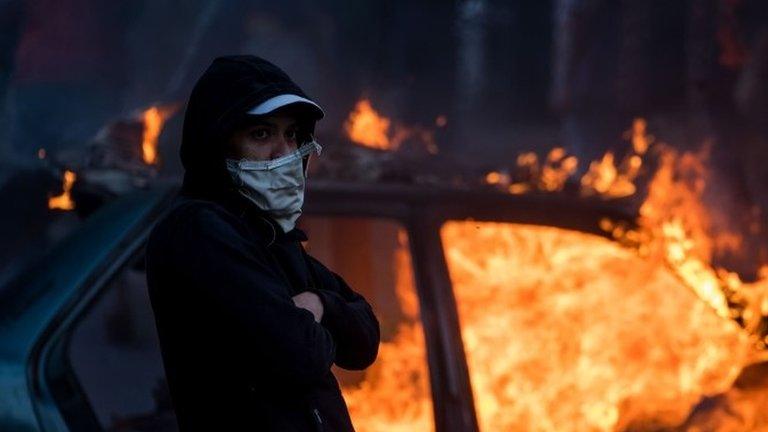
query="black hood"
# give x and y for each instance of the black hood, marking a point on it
(229, 87)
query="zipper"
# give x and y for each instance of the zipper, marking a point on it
(318, 420)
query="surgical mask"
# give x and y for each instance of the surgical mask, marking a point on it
(276, 185)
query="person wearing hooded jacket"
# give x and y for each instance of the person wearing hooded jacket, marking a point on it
(249, 323)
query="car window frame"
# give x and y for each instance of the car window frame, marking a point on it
(60, 402)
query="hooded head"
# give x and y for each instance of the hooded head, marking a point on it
(231, 89)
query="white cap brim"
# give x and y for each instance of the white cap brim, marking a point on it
(280, 101)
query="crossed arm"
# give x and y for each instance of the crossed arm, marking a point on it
(349, 318)
(236, 275)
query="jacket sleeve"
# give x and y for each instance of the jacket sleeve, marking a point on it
(349, 317)
(235, 276)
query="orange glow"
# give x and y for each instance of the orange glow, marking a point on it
(640, 139)
(679, 228)
(527, 160)
(153, 118)
(367, 127)
(549, 177)
(606, 179)
(421, 135)
(493, 177)
(64, 201)
(41, 153)
(441, 121)
(497, 178)
(567, 331)
(556, 170)
(674, 216)
(519, 188)
(395, 394)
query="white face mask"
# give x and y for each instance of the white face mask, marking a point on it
(276, 185)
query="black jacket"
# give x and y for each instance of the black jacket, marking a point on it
(238, 354)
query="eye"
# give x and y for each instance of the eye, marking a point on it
(291, 135)
(259, 133)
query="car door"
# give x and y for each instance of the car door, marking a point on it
(111, 361)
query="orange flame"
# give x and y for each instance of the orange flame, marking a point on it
(607, 180)
(675, 225)
(556, 170)
(568, 331)
(604, 177)
(549, 177)
(367, 127)
(153, 118)
(640, 139)
(395, 394)
(64, 201)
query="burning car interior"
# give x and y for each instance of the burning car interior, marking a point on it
(557, 212)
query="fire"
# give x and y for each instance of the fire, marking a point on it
(639, 136)
(566, 331)
(495, 177)
(395, 394)
(604, 178)
(556, 170)
(675, 225)
(569, 331)
(64, 201)
(153, 119)
(551, 176)
(674, 215)
(608, 180)
(367, 127)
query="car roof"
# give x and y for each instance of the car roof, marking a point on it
(563, 210)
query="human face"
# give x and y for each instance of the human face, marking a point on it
(264, 138)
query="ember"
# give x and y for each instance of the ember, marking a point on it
(549, 177)
(604, 177)
(64, 201)
(153, 119)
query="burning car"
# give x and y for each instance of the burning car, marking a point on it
(521, 301)
(498, 312)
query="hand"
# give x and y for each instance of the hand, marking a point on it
(311, 302)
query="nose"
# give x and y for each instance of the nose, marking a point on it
(281, 147)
